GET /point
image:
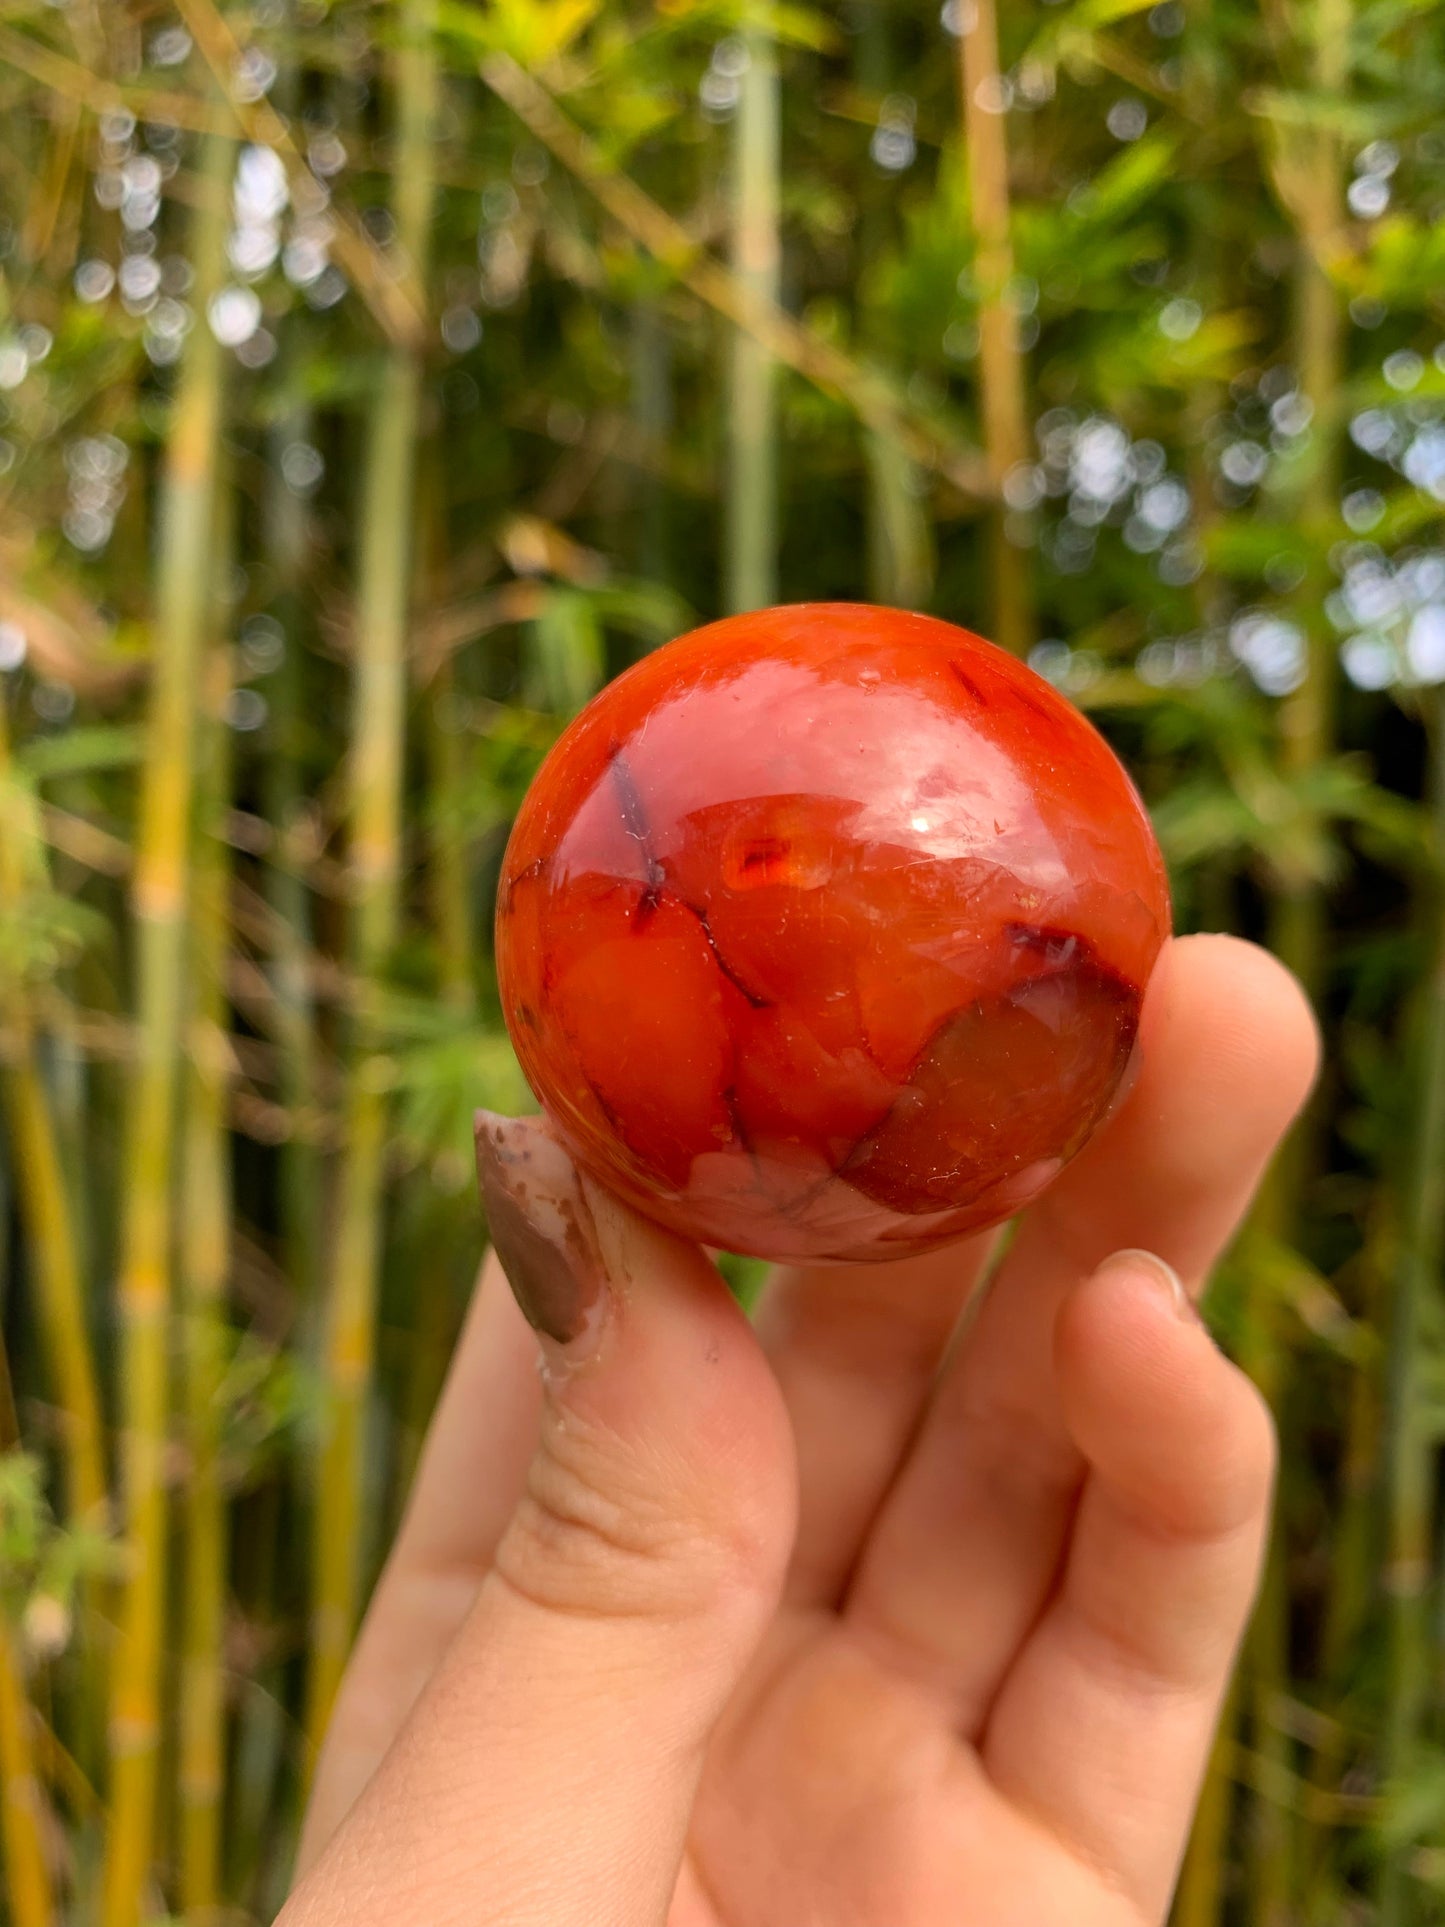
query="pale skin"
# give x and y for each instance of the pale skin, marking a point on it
(890, 1609)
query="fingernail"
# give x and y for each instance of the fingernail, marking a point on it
(1162, 1273)
(542, 1230)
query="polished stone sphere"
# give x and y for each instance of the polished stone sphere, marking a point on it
(823, 932)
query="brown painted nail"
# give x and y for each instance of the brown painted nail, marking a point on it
(542, 1230)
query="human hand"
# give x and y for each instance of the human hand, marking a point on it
(880, 1612)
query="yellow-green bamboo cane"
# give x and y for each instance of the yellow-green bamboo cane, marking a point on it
(1202, 1879)
(43, 1196)
(29, 1890)
(204, 1265)
(1412, 1442)
(1000, 359)
(293, 1001)
(750, 534)
(1306, 734)
(1200, 1897)
(900, 547)
(447, 845)
(432, 1331)
(183, 609)
(287, 538)
(378, 740)
(652, 414)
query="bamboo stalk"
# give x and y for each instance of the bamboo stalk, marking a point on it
(1411, 1443)
(260, 1830)
(900, 560)
(1298, 937)
(29, 1890)
(47, 1208)
(288, 538)
(1308, 722)
(652, 411)
(451, 882)
(433, 1327)
(449, 865)
(285, 524)
(1354, 1540)
(1199, 1900)
(159, 892)
(379, 724)
(204, 1268)
(750, 528)
(1006, 437)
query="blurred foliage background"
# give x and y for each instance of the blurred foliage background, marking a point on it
(379, 376)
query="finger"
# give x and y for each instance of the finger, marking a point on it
(1103, 1726)
(466, 1488)
(856, 1349)
(967, 1546)
(547, 1772)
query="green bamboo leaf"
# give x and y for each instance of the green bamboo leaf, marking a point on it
(1125, 182)
(1200, 820)
(1071, 35)
(567, 639)
(439, 1086)
(1415, 1809)
(531, 31)
(82, 752)
(1313, 112)
(1243, 546)
(649, 611)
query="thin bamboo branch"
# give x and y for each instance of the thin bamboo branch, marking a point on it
(159, 894)
(1001, 364)
(379, 727)
(866, 390)
(44, 211)
(72, 81)
(750, 530)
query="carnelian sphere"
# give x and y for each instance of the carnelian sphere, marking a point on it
(823, 932)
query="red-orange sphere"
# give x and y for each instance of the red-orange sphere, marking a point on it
(823, 933)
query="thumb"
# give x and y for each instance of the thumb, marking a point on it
(548, 1773)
